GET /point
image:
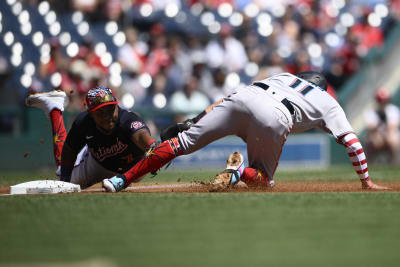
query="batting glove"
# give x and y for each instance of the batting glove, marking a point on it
(114, 184)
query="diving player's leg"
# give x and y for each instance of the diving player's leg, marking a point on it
(228, 118)
(52, 103)
(256, 177)
(266, 135)
(59, 134)
(154, 159)
(264, 148)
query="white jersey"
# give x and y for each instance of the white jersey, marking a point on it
(261, 118)
(314, 107)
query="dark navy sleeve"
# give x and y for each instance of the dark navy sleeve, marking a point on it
(132, 122)
(76, 135)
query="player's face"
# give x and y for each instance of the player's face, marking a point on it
(106, 117)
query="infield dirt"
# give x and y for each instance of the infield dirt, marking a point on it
(200, 187)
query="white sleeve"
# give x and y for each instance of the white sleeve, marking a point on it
(336, 122)
(356, 154)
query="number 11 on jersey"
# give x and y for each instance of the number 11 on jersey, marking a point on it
(299, 87)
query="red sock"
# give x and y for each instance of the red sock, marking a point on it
(59, 133)
(254, 177)
(161, 155)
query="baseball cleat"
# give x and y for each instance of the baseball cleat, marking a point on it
(271, 183)
(114, 184)
(234, 170)
(47, 101)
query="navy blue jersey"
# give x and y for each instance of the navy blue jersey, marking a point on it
(116, 151)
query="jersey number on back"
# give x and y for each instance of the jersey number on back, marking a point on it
(299, 86)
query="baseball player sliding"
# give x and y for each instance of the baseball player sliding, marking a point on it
(103, 141)
(263, 114)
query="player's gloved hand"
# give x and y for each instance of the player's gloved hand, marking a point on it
(368, 184)
(173, 130)
(149, 152)
(151, 148)
(114, 184)
(227, 178)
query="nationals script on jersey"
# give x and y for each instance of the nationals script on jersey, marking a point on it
(315, 108)
(114, 151)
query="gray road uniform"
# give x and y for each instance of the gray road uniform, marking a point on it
(264, 113)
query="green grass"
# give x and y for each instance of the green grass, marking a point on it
(218, 229)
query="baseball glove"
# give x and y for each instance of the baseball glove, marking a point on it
(224, 178)
(173, 130)
(231, 175)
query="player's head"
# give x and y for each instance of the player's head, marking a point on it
(100, 96)
(102, 106)
(382, 96)
(315, 78)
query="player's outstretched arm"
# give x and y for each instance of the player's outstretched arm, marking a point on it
(143, 139)
(358, 159)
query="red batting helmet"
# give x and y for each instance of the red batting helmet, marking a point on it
(382, 95)
(99, 97)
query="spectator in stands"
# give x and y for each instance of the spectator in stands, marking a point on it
(130, 84)
(132, 55)
(81, 78)
(113, 9)
(158, 56)
(58, 61)
(85, 6)
(367, 36)
(93, 61)
(180, 68)
(383, 128)
(274, 65)
(157, 87)
(5, 71)
(8, 96)
(169, 49)
(394, 15)
(190, 101)
(202, 72)
(156, 99)
(346, 58)
(219, 88)
(226, 51)
(300, 63)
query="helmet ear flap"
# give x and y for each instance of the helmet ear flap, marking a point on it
(315, 78)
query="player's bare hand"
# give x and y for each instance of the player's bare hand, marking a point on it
(368, 184)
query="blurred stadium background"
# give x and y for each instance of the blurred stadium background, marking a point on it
(169, 59)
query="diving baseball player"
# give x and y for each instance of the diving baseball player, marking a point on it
(103, 141)
(263, 114)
